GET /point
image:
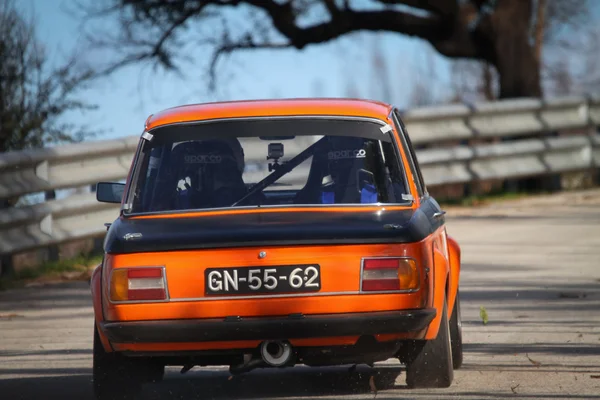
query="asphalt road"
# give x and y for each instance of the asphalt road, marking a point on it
(534, 265)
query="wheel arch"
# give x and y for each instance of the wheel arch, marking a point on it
(96, 288)
(441, 281)
(454, 257)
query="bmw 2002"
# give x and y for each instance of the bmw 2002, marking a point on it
(260, 234)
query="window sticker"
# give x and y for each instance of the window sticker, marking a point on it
(202, 159)
(386, 128)
(347, 154)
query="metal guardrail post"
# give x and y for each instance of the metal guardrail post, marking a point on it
(594, 145)
(53, 251)
(6, 260)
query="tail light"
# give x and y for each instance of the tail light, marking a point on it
(138, 284)
(389, 274)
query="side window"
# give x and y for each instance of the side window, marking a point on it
(410, 153)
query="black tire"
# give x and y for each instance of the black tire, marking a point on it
(430, 365)
(114, 376)
(456, 334)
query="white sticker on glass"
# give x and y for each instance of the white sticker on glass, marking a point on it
(386, 128)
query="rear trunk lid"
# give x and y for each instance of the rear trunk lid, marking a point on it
(242, 228)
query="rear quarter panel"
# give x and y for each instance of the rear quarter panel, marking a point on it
(96, 288)
(454, 259)
(441, 269)
(445, 252)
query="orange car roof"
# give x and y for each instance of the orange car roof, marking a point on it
(267, 108)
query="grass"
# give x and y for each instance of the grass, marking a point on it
(483, 315)
(53, 270)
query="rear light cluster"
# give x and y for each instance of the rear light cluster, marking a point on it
(135, 284)
(389, 274)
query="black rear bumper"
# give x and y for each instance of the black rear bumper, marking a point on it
(268, 328)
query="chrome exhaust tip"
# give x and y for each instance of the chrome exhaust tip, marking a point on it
(276, 353)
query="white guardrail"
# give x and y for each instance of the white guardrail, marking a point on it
(433, 129)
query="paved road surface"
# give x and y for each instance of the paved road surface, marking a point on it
(533, 264)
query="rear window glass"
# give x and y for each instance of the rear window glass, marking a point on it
(270, 162)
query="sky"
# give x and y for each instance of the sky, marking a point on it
(129, 96)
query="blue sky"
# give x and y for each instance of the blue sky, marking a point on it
(127, 98)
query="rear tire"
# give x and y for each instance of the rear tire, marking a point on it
(430, 364)
(114, 376)
(456, 334)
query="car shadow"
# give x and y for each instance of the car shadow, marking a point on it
(213, 384)
(272, 383)
(301, 382)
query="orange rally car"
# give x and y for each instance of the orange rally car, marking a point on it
(262, 234)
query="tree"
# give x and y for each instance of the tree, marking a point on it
(498, 32)
(557, 27)
(473, 81)
(589, 77)
(34, 96)
(560, 79)
(424, 81)
(380, 87)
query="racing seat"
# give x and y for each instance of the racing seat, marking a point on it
(311, 192)
(333, 176)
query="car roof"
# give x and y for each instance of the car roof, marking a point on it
(268, 108)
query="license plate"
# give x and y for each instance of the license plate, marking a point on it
(255, 280)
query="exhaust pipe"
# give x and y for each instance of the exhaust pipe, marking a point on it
(276, 353)
(246, 366)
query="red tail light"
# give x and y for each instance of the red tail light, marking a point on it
(389, 274)
(134, 284)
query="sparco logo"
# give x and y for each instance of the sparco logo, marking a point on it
(341, 154)
(202, 159)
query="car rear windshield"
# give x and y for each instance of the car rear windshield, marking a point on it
(267, 162)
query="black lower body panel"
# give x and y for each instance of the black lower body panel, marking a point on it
(367, 350)
(269, 328)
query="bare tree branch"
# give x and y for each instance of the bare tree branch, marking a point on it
(331, 7)
(431, 28)
(33, 95)
(441, 7)
(249, 44)
(494, 31)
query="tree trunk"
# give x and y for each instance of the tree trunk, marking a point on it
(514, 55)
(517, 57)
(518, 70)
(487, 82)
(519, 75)
(540, 26)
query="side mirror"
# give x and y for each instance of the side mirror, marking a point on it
(109, 192)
